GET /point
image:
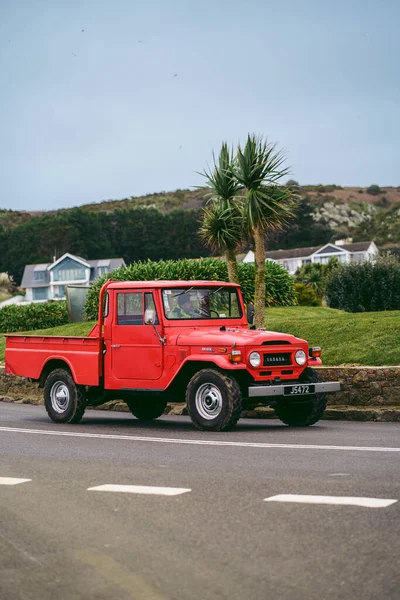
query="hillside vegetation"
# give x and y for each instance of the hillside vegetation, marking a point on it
(166, 225)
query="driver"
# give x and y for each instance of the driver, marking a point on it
(185, 308)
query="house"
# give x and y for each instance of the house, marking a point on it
(48, 281)
(345, 253)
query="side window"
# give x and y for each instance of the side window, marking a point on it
(149, 303)
(130, 308)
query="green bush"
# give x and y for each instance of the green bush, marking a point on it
(29, 317)
(279, 284)
(306, 296)
(365, 287)
(374, 190)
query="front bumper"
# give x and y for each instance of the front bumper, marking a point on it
(279, 390)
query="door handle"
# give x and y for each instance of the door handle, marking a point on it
(115, 346)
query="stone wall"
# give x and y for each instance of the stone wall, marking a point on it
(364, 386)
(368, 393)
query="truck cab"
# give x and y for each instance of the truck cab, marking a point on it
(182, 341)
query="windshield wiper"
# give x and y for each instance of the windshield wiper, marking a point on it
(185, 291)
(215, 291)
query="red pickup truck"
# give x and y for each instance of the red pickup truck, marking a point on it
(185, 341)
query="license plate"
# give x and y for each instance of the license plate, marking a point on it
(302, 389)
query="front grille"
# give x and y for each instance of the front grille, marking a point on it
(275, 360)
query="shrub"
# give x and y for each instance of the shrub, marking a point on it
(306, 296)
(374, 190)
(365, 287)
(383, 201)
(29, 317)
(279, 284)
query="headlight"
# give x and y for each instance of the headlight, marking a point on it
(300, 357)
(255, 359)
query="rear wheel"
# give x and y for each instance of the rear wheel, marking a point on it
(65, 401)
(214, 400)
(304, 412)
(147, 408)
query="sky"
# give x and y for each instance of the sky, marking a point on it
(107, 100)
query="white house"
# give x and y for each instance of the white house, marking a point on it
(345, 253)
(48, 281)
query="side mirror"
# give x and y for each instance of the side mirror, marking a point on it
(149, 317)
(250, 314)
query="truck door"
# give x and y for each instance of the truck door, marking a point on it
(136, 352)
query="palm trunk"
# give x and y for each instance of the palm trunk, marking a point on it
(259, 296)
(231, 263)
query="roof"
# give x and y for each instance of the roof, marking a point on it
(28, 278)
(356, 246)
(305, 252)
(169, 284)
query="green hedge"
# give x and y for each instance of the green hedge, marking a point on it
(29, 317)
(365, 287)
(279, 284)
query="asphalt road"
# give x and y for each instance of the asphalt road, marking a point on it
(216, 537)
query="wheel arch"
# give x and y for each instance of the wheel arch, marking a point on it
(52, 364)
(190, 367)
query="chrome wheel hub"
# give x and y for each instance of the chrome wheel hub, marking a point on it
(208, 401)
(59, 396)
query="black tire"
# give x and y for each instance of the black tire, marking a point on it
(147, 409)
(302, 414)
(65, 401)
(214, 400)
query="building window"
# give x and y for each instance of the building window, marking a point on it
(69, 274)
(59, 291)
(101, 271)
(69, 270)
(40, 293)
(306, 261)
(39, 275)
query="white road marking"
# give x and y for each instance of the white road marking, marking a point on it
(12, 480)
(345, 500)
(140, 489)
(136, 438)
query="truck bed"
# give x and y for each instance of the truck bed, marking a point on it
(27, 355)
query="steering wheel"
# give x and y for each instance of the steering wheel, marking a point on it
(207, 313)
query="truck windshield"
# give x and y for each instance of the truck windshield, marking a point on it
(201, 303)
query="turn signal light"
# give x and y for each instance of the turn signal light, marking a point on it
(315, 352)
(235, 356)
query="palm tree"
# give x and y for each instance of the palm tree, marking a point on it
(222, 222)
(266, 205)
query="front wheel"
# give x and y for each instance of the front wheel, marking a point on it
(214, 400)
(307, 412)
(147, 409)
(65, 401)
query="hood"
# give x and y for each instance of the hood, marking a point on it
(240, 336)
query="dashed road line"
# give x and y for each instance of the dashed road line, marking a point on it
(344, 500)
(136, 438)
(140, 489)
(12, 480)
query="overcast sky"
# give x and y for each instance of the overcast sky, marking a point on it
(105, 99)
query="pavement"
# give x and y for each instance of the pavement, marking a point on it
(119, 509)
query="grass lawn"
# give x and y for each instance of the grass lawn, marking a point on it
(346, 338)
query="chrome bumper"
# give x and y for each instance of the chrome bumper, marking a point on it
(279, 390)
